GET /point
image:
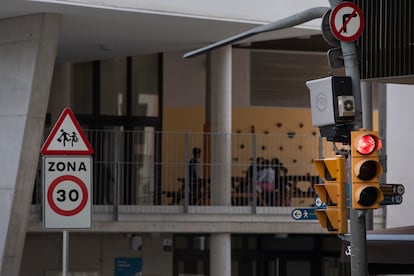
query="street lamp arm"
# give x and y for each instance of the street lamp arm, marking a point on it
(290, 21)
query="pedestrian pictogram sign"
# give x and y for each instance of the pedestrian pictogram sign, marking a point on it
(67, 137)
(346, 21)
(304, 214)
(67, 192)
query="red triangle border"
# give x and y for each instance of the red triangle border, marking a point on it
(66, 112)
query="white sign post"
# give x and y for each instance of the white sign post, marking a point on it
(67, 192)
(67, 180)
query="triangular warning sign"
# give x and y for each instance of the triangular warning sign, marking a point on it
(67, 137)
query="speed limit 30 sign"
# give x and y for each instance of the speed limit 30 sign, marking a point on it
(67, 192)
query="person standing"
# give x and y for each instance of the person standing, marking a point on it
(194, 179)
(194, 166)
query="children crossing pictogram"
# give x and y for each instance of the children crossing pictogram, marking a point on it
(67, 137)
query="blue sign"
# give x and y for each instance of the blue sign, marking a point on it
(128, 266)
(304, 214)
(319, 204)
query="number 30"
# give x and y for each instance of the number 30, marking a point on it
(73, 195)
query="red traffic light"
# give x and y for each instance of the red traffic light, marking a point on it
(368, 143)
(366, 169)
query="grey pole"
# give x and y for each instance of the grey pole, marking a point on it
(357, 218)
(65, 252)
(366, 98)
(290, 21)
(367, 123)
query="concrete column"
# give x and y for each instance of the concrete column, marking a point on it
(220, 254)
(61, 89)
(27, 52)
(220, 77)
(220, 112)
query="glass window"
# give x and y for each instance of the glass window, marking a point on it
(331, 244)
(332, 266)
(83, 88)
(236, 242)
(302, 268)
(181, 242)
(287, 243)
(191, 268)
(200, 243)
(235, 268)
(113, 87)
(252, 243)
(145, 86)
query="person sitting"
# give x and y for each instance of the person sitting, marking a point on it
(248, 183)
(281, 181)
(266, 181)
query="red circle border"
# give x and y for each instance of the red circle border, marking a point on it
(53, 186)
(332, 22)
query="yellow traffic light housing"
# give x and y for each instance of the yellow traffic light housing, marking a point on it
(366, 169)
(333, 193)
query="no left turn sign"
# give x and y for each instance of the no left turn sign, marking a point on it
(346, 21)
(67, 190)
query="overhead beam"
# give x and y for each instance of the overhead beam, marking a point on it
(290, 21)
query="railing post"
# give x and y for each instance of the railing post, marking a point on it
(157, 180)
(254, 192)
(117, 177)
(187, 173)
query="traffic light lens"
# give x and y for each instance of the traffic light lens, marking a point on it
(368, 170)
(368, 196)
(367, 144)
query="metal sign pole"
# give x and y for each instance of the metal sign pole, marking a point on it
(65, 252)
(357, 218)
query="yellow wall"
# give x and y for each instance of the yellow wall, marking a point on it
(273, 120)
(183, 119)
(272, 127)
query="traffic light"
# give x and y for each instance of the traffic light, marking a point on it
(366, 169)
(333, 193)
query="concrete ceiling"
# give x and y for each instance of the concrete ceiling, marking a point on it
(92, 33)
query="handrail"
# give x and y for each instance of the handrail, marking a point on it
(126, 171)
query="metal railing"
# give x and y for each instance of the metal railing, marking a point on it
(152, 168)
